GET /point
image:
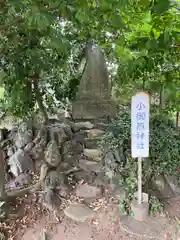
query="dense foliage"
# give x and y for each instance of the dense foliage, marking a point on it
(164, 156)
(42, 42)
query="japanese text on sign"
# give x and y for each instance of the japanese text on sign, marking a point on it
(140, 125)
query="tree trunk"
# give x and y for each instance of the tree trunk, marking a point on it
(39, 100)
(177, 119)
(2, 173)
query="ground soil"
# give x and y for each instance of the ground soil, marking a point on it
(105, 225)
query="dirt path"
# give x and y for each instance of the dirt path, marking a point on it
(106, 225)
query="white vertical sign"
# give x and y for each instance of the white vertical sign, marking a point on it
(140, 125)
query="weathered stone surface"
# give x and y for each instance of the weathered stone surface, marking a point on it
(94, 133)
(162, 187)
(101, 180)
(101, 125)
(92, 142)
(84, 125)
(64, 166)
(71, 152)
(72, 147)
(20, 162)
(153, 228)
(28, 147)
(58, 134)
(113, 162)
(23, 179)
(93, 109)
(93, 100)
(90, 166)
(88, 191)
(63, 191)
(23, 135)
(79, 137)
(173, 182)
(52, 155)
(94, 154)
(78, 212)
(37, 153)
(53, 180)
(10, 151)
(68, 130)
(82, 175)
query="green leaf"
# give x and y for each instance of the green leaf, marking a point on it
(161, 6)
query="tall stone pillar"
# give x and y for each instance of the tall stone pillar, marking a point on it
(93, 99)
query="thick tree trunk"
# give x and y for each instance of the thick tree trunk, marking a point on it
(39, 100)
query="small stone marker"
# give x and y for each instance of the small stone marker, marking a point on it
(78, 212)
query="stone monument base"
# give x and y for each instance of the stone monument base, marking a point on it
(141, 211)
(93, 109)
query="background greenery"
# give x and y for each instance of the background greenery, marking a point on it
(42, 50)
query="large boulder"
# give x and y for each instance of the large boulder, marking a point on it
(24, 135)
(20, 162)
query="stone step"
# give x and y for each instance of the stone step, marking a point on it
(78, 212)
(88, 191)
(90, 166)
(84, 125)
(94, 133)
(94, 154)
(101, 125)
(92, 142)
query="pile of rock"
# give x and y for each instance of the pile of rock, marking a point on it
(56, 151)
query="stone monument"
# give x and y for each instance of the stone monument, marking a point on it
(93, 99)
